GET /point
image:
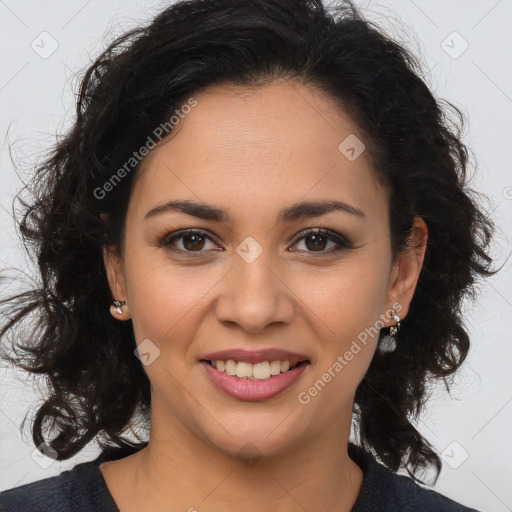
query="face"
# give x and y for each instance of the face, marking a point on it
(249, 279)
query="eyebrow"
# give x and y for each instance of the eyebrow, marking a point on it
(304, 209)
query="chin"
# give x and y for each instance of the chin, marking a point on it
(255, 439)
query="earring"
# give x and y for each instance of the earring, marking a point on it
(388, 342)
(394, 328)
(118, 304)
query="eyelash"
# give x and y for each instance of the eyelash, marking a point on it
(332, 236)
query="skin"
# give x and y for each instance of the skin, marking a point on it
(251, 153)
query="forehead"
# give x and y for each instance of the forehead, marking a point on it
(259, 146)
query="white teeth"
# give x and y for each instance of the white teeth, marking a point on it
(258, 371)
(275, 367)
(230, 367)
(261, 371)
(244, 369)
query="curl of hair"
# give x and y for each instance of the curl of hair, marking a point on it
(96, 386)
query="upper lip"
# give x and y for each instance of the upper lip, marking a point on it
(256, 356)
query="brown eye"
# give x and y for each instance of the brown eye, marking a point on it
(193, 242)
(188, 241)
(316, 240)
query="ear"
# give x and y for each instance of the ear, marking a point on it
(406, 271)
(116, 282)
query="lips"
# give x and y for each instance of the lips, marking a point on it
(253, 390)
(256, 356)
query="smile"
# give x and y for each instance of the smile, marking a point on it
(253, 382)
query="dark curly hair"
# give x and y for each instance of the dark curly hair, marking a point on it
(133, 86)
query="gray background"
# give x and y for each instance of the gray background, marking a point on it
(465, 46)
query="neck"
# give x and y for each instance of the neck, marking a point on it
(191, 474)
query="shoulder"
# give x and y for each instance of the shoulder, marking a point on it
(79, 489)
(395, 489)
(386, 491)
(52, 493)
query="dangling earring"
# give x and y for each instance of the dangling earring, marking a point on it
(117, 305)
(394, 328)
(388, 342)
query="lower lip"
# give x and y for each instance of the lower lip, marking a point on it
(253, 390)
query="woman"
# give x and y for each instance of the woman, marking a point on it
(257, 230)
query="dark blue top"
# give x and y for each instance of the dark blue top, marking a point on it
(83, 489)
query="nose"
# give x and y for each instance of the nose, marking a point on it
(254, 296)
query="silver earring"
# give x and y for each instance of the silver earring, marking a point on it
(118, 304)
(394, 328)
(388, 342)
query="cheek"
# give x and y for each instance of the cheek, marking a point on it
(166, 299)
(345, 307)
(348, 300)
